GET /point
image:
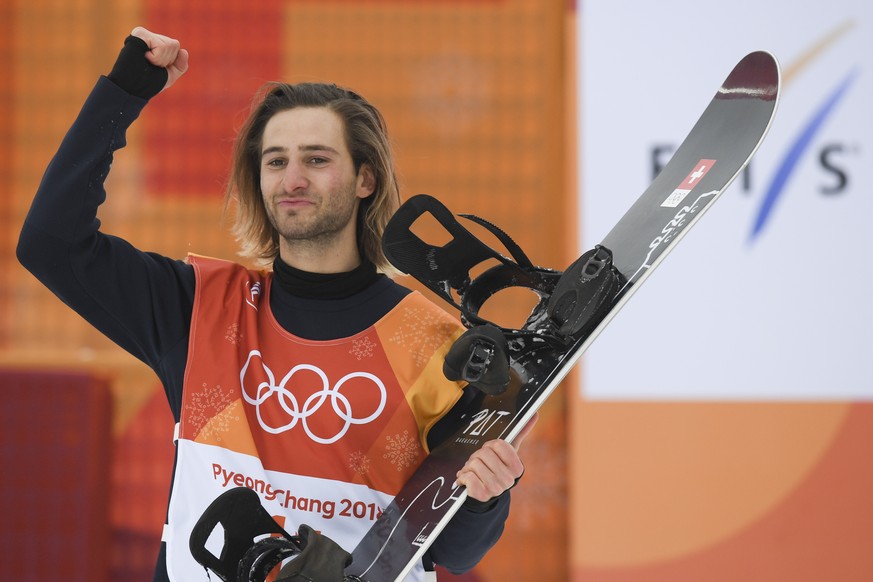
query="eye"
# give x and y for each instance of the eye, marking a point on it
(318, 160)
(275, 163)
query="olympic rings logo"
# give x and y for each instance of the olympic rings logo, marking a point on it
(289, 403)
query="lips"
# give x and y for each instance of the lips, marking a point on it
(294, 203)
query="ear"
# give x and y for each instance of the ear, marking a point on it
(366, 182)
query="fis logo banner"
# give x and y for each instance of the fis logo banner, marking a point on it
(766, 297)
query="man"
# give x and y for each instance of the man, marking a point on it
(316, 384)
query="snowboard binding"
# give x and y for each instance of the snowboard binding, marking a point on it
(248, 556)
(584, 293)
(244, 520)
(570, 303)
(480, 357)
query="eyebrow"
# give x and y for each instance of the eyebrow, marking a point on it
(303, 148)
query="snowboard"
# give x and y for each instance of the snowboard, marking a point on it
(515, 370)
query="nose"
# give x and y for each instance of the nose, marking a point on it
(294, 178)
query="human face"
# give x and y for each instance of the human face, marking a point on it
(310, 188)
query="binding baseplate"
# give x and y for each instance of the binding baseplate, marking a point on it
(569, 302)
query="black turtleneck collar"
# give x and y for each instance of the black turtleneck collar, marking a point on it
(324, 285)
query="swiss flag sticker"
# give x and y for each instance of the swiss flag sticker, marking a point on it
(691, 180)
(697, 174)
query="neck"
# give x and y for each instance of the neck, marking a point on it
(324, 286)
(315, 257)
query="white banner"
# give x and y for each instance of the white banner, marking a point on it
(767, 297)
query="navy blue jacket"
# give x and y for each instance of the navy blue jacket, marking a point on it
(143, 301)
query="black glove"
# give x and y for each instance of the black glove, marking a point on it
(322, 560)
(133, 73)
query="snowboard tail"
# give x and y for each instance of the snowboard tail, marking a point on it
(517, 376)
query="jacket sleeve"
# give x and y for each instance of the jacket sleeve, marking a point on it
(469, 535)
(142, 301)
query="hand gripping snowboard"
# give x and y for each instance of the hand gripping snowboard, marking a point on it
(515, 370)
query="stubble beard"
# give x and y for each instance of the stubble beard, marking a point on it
(322, 226)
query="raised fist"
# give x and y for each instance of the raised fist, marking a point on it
(164, 52)
(148, 63)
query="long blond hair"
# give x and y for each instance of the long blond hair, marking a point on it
(367, 140)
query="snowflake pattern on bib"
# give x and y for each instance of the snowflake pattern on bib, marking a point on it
(401, 450)
(422, 332)
(362, 348)
(359, 463)
(210, 412)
